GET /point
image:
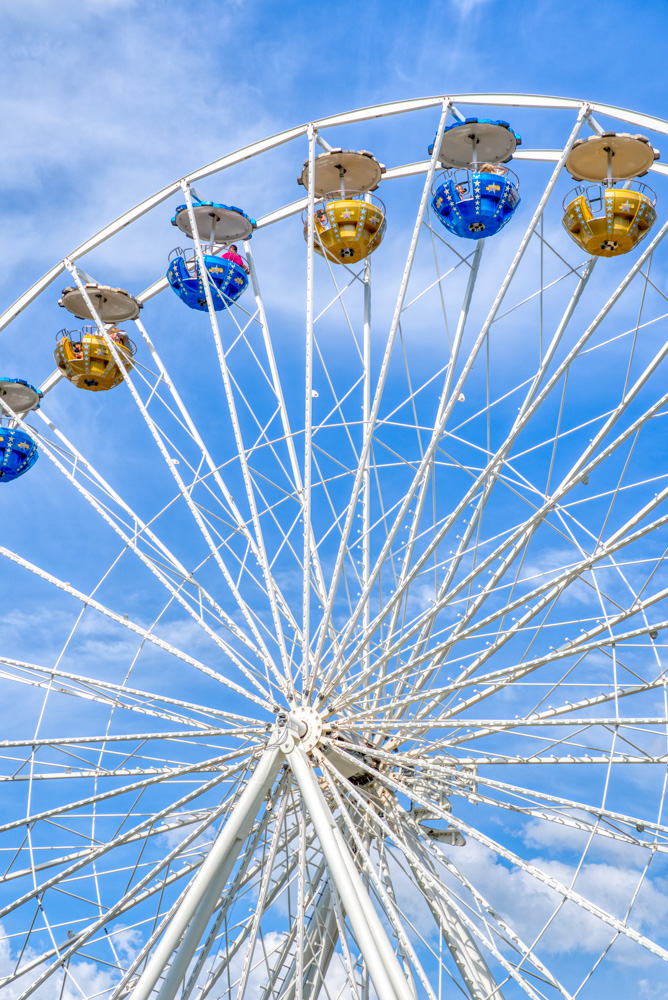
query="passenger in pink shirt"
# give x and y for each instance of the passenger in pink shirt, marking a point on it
(231, 254)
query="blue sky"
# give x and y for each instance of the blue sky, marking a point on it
(106, 101)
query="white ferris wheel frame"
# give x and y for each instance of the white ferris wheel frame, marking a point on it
(347, 860)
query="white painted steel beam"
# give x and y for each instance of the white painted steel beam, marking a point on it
(285, 419)
(260, 650)
(320, 938)
(308, 418)
(188, 924)
(120, 619)
(384, 969)
(140, 891)
(395, 824)
(270, 584)
(548, 880)
(473, 969)
(458, 929)
(224, 960)
(531, 404)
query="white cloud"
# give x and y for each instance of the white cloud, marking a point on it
(179, 830)
(651, 991)
(101, 115)
(84, 979)
(466, 7)
(556, 837)
(528, 904)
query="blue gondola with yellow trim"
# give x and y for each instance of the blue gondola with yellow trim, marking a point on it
(476, 203)
(18, 451)
(477, 195)
(227, 279)
(217, 226)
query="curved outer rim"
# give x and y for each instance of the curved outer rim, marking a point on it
(635, 118)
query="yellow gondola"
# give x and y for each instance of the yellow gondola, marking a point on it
(348, 229)
(614, 212)
(349, 221)
(609, 221)
(85, 358)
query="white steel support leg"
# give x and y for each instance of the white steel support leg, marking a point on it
(368, 908)
(231, 894)
(226, 958)
(189, 922)
(464, 950)
(276, 982)
(384, 969)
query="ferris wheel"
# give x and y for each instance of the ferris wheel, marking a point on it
(334, 578)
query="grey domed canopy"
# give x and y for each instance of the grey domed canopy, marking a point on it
(482, 140)
(19, 395)
(630, 156)
(113, 305)
(215, 223)
(361, 171)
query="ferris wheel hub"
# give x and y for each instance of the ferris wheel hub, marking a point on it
(308, 723)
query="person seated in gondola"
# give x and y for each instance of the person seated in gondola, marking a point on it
(231, 254)
(118, 336)
(493, 168)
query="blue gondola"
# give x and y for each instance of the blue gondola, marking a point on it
(213, 224)
(476, 203)
(477, 195)
(18, 451)
(227, 279)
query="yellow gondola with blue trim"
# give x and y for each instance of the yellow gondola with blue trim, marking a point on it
(86, 360)
(348, 229)
(349, 222)
(613, 213)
